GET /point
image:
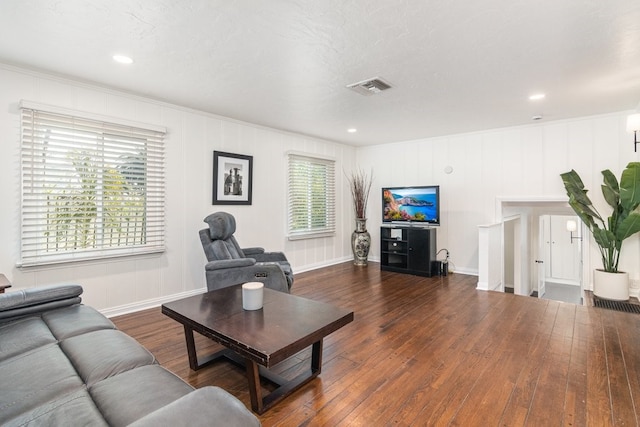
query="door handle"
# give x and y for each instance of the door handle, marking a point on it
(539, 261)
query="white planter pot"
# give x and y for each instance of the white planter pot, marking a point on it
(611, 286)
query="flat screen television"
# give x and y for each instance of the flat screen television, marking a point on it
(420, 204)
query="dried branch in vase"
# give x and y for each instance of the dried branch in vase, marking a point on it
(360, 185)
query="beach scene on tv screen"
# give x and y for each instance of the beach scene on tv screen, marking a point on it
(410, 204)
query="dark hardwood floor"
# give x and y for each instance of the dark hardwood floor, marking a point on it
(435, 351)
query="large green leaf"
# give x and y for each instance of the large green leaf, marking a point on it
(629, 226)
(584, 212)
(610, 180)
(610, 189)
(605, 238)
(611, 197)
(630, 187)
(575, 187)
(573, 178)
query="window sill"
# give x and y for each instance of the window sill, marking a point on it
(28, 265)
(311, 235)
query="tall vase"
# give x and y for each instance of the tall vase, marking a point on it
(360, 242)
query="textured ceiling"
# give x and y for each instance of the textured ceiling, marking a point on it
(456, 66)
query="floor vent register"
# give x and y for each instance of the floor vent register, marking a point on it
(616, 305)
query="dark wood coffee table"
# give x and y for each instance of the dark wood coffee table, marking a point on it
(284, 326)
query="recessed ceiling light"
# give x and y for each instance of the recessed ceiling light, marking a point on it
(537, 96)
(122, 59)
(352, 130)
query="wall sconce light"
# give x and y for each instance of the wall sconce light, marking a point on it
(571, 227)
(633, 125)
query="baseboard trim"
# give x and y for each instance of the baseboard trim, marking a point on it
(466, 271)
(150, 303)
(311, 267)
(157, 302)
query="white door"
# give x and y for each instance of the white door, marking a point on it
(559, 259)
(565, 257)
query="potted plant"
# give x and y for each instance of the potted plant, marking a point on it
(360, 186)
(609, 234)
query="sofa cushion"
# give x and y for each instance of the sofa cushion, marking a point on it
(103, 354)
(125, 398)
(75, 320)
(23, 335)
(70, 409)
(220, 406)
(34, 378)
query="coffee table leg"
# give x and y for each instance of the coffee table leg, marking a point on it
(255, 391)
(260, 403)
(316, 358)
(191, 348)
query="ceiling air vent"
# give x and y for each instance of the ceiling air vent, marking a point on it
(370, 86)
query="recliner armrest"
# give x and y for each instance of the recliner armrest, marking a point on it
(270, 257)
(252, 251)
(229, 263)
(270, 274)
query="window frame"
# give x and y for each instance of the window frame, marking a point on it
(310, 231)
(130, 188)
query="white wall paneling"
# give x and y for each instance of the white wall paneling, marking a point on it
(125, 284)
(519, 163)
(513, 163)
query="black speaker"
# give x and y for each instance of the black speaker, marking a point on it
(444, 268)
(439, 268)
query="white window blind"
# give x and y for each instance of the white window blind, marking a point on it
(90, 189)
(311, 197)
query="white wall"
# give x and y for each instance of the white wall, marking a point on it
(510, 163)
(497, 164)
(130, 283)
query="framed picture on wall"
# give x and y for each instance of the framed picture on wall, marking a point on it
(232, 178)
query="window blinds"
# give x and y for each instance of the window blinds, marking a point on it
(90, 189)
(311, 197)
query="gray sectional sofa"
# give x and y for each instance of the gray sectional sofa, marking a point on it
(64, 363)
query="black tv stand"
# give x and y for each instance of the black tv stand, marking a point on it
(408, 249)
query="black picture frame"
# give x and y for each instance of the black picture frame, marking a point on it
(232, 178)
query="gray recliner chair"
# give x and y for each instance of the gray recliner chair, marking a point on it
(231, 265)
